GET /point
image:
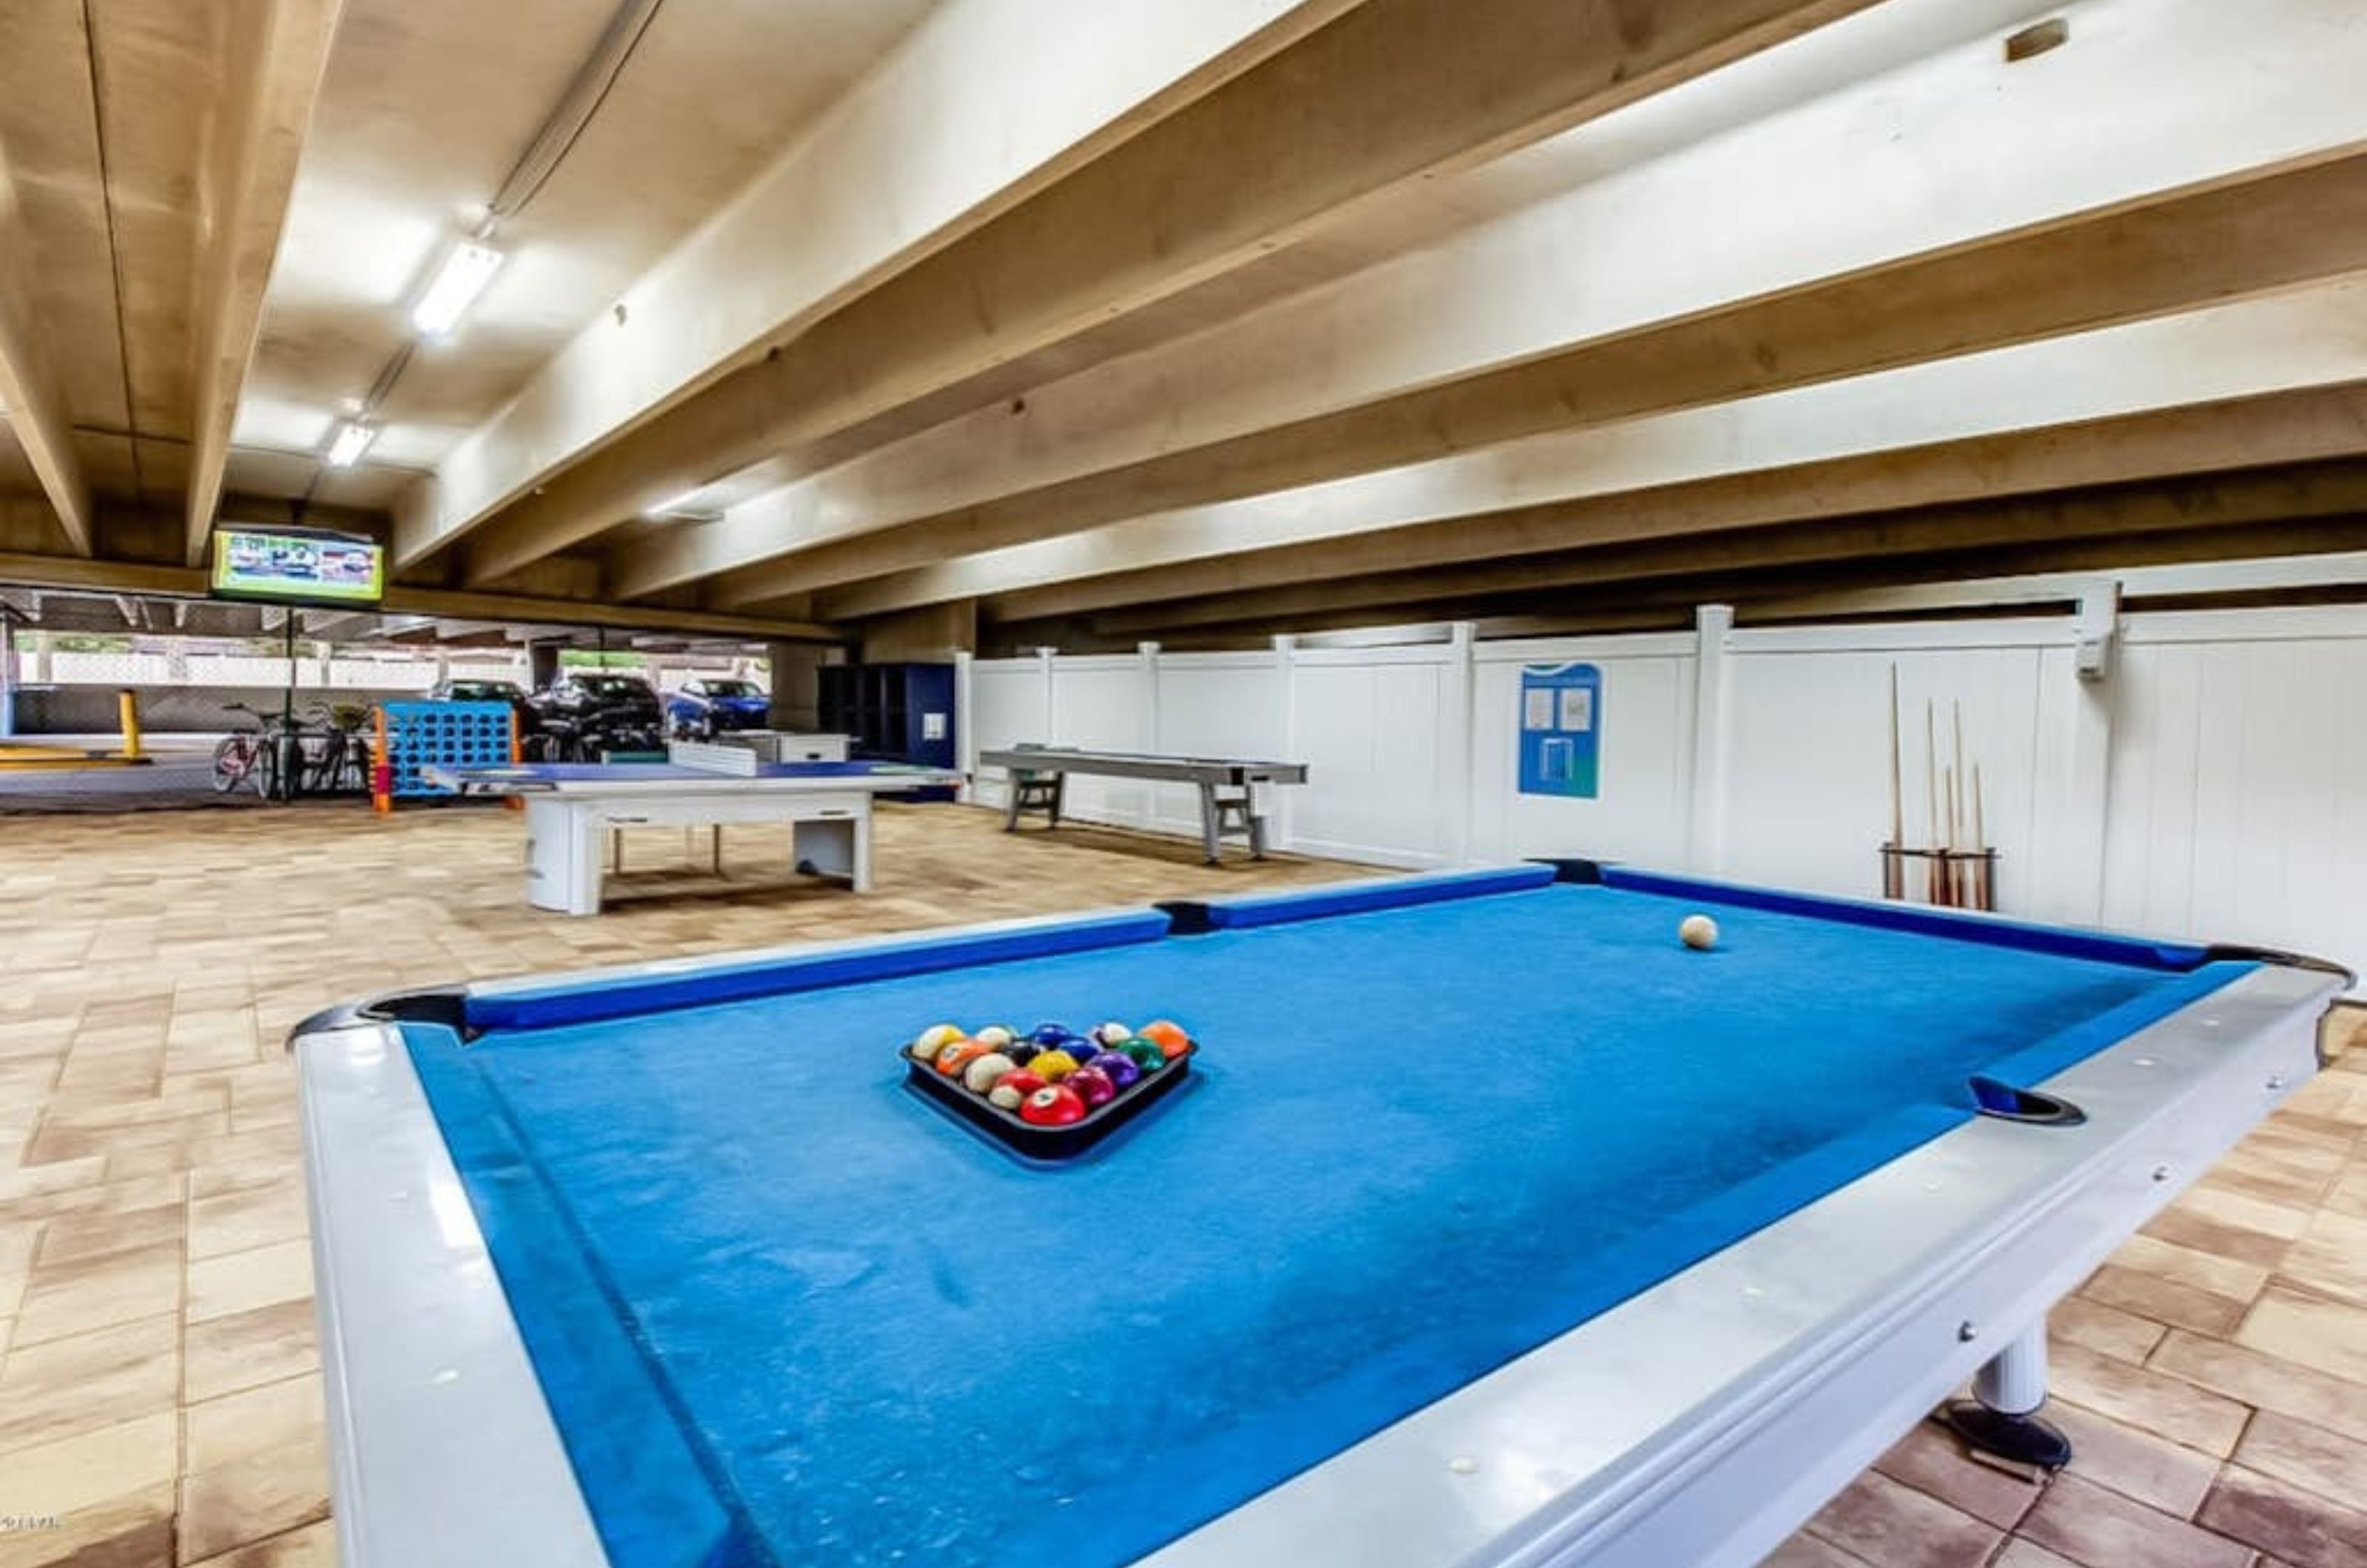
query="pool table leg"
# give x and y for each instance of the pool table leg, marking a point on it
(2000, 1421)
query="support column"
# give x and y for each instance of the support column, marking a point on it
(542, 663)
(2064, 881)
(7, 673)
(1705, 828)
(1456, 755)
(793, 679)
(966, 724)
(1286, 653)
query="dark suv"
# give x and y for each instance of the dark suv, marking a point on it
(588, 713)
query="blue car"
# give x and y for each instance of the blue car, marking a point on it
(705, 708)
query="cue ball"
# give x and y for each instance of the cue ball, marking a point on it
(1698, 932)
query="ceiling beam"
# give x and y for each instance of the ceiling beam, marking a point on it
(2182, 252)
(2253, 347)
(1889, 585)
(274, 53)
(190, 583)
(2314, 425)
(1409, 89)
(1933, 196)
(31, 399)
(2255, 499)
(982, 104)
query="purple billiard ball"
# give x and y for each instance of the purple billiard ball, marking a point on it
(1119, 1066)
(1093, 1086)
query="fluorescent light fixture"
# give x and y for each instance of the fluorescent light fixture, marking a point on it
(353, 439)
(457, 283)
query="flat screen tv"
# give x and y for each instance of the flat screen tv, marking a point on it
(296, 566)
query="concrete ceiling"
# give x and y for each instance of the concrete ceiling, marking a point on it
(1192, 318)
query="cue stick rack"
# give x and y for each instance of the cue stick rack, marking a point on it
(1955, 866)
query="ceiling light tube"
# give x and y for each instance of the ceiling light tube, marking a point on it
(682, 505)
(353, 439)
(457, 283)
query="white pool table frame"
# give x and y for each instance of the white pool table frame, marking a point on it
(1698, 1423)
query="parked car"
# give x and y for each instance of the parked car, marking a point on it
(705, 707)
(522, 714)
(588, 713)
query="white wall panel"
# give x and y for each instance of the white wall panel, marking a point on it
(1103, 704)
(2215, 786)
(1217, 705)
(2238, 794)
(1010, 703)
(1808, 800)
(1646, 728)
(1371, 725)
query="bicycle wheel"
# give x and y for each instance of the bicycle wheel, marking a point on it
(233, 757)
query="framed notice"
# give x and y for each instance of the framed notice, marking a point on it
(1561, 730)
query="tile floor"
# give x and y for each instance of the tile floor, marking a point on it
(158, 1383)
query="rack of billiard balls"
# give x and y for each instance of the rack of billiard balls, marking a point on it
(1051, 1090)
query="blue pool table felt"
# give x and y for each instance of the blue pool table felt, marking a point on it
(788, 1313)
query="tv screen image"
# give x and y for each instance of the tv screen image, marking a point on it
(281, 563)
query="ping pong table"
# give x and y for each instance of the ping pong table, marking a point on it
(575, 810)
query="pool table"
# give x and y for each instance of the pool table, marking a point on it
(1493, 1224)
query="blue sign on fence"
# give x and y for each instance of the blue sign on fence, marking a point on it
(1561, 730)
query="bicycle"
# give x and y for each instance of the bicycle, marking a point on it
(245, 757)
(328, 756)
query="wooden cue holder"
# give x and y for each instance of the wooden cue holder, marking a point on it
(1954, 879)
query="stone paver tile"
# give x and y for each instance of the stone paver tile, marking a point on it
(76, 1238)
(314, 1546)
(2290, 1524)
(2100, 1528)
(2136, 1464)
(2019, 1553)
(261, 1493)
(62, 1388)
(2309, 1457)
(246, 1350)
(1805, 1550)
(1898, 1527)
(251, 1217)
(2168, 1301)
(2328, 1335)
(134, 1530)
(2107, 1330)
(2331, 1258)
(274, 1414)
(241, 1281)
(1933, 1462)
(2166, 1407)
(2226, 1277)
(2267, 1381)
(70, 1474)
(99, 1292)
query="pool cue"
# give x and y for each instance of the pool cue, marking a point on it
(1894, 860)
(1948, 849)
(1981, 843)
(1935, 868)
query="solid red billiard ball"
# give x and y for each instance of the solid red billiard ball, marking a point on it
(1054, 1105)
(1093, 1086)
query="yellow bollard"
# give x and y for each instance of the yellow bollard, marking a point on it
(127, 704)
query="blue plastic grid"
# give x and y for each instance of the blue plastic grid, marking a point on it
(464, 735)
